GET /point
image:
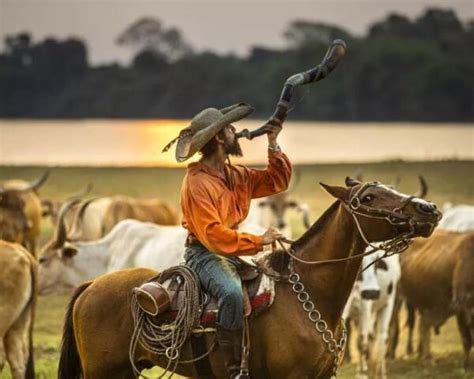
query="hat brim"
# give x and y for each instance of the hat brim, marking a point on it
(189, 145)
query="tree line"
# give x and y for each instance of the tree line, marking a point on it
(401, 70)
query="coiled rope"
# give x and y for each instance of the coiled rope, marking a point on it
(167, 339)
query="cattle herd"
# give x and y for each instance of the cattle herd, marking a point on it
(434, 278)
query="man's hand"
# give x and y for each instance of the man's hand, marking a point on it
(274, 128)
(271, 235)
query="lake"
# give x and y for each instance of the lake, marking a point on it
(139, 142)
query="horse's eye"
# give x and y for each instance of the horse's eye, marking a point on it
(367, 198)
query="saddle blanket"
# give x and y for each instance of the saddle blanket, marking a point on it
(261, 298)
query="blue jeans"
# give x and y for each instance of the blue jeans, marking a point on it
(219, 276)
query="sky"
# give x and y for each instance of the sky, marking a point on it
(224, 26)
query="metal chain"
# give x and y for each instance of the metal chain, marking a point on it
(321, 326)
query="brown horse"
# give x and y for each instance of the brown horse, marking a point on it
(284, 342)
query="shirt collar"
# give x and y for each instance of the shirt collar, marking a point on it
(196, 167)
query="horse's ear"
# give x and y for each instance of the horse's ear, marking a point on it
(350, 182)
(340, 193)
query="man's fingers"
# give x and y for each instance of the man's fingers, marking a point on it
(272, 128)
(275, 128)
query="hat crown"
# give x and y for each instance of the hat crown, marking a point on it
(205, 118)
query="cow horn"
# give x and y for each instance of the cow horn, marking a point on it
(83, 192)
(61, 232)
(35, 184)
(77, 222)
(423, 188)
(358, 175)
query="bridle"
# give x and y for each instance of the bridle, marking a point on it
(396, 245)
(395, 217)
(357, 209)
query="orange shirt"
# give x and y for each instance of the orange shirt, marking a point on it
(212, 211)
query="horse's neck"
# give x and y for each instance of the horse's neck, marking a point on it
(334, 236)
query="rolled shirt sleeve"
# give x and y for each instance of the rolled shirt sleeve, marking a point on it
(275, 178)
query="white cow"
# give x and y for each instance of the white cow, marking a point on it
(459, 218)
(64, 264)
(371, 306)
(273, 211)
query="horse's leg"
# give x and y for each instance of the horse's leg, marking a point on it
(466, 337)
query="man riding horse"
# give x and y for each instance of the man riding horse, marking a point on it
(215, 199)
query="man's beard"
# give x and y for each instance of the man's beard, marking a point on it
(233, 148)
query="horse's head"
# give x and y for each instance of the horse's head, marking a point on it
(383, 213)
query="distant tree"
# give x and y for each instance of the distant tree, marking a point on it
(59, 59)
(301, 33)
(17, 47)
(439, 24)
(148, 34)
(149, 61)
(394, 24)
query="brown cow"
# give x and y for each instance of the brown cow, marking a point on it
(438, 281)
(94, 218)
(150, 210)
(13, 221)
(17, 304)
(32, 208)
(51, 207)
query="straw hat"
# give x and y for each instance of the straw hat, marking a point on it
(205, 125)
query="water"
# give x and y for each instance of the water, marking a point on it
(139, 143)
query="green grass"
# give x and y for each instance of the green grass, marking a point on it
(449, 181)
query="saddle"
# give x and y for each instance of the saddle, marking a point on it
(258, 290)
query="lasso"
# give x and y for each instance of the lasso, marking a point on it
(167, 339)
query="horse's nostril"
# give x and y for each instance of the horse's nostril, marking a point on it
(427, 208)
(281, 225)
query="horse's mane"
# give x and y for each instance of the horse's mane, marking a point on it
(279, 260)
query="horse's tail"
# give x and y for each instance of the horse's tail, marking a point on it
(69, 360)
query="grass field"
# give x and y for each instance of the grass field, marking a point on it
(449, 181)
